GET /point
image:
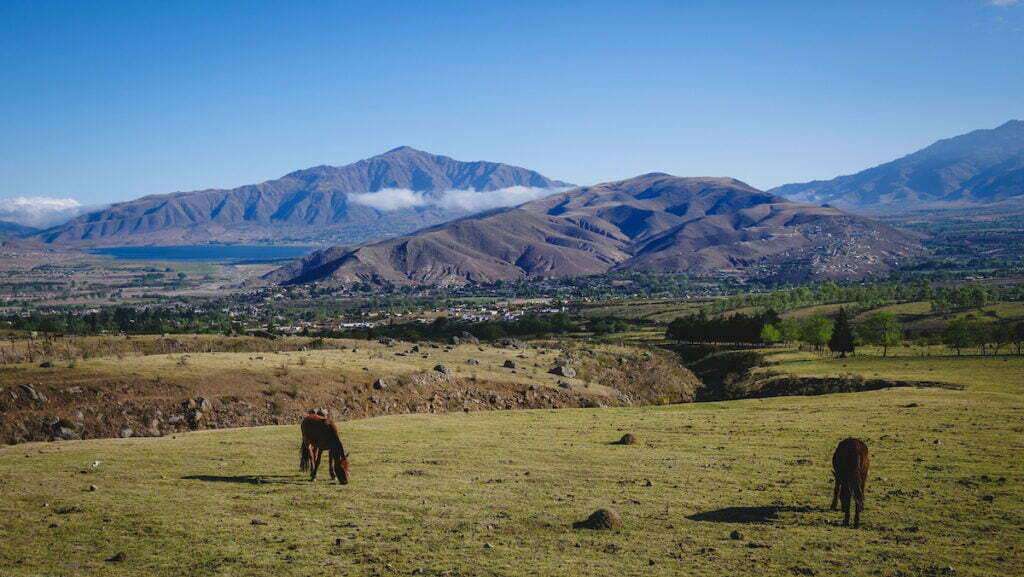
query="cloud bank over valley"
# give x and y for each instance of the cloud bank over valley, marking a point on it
(392, 199)
(41, 211)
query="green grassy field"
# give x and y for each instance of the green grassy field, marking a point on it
(496, 493)
(1003, 373)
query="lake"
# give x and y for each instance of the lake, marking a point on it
(252, 253)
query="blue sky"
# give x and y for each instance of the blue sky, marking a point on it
(109, 101)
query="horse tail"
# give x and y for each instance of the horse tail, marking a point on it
(303, 456)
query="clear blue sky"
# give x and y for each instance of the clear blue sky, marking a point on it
(110, 101)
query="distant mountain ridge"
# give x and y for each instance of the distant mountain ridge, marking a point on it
(315, 204)
(654, 222)
(980, 167)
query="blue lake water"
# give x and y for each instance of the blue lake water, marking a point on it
(217, 252)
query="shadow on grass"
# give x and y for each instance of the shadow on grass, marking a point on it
(765, 514)
(250, 479)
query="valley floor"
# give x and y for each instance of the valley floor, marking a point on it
(496, 493)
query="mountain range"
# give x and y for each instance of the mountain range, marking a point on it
(393, 193)
(973, 169)
(653, 222)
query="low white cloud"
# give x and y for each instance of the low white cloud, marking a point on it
(391, 199)
(40, 211)
(1004, 2)
(388, 199)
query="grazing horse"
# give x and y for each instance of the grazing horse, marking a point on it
(319, 434)
(850, 468)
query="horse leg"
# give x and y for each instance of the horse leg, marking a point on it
(330, 465)
(844, 496)
(858, 499)
(835, 496)
(314, 455)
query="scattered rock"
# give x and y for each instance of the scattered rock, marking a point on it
(488, 546)
(563, 371)
(736, 535)
(509, 364)
(32, 393)
(257, 522)
(117, 558)
(600, 520)
(472, 362)
(627, 439)
(565, 385)
(442, 369)
(93, 488)
(46, 364)
(380, 385)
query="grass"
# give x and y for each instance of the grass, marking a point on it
(1003, 373)
(430, 492)
(340, 363)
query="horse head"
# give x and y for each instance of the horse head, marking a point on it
(340, 466)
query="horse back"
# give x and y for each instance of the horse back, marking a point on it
(851, 458)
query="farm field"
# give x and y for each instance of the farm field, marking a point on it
(496, 493)
(1002, 373)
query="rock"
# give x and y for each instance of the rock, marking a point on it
(204, 404)
(415, 349)
(257, 522)
(565, 385)
(509, 364)
(32, 393)
(442, 369)
(46, 364)
(488, 546)
(736, 535)
(117, 558)
(93, 488)
(126, 432)
(627, 439)
(66, 434)
(563, 371)
(472, 362)
(380, 385)
(600, 520)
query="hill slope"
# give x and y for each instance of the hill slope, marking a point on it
(429, 491)
(980, 167)
(656, 222)
(323, 203)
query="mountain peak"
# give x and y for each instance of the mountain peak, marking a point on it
(402, 148)
(979, 167)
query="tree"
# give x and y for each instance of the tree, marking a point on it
(770, 334)
(790, 330)
(842, 334)
(966, 332)
(1018, 336)
(881, 329)
(816, 331)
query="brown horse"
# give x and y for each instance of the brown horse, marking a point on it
(319, 434)
(850, 468)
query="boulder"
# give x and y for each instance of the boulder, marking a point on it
(442, 369)
(33, 394)
(563, 371)
(602, 519)
(627, 439)
(509, 364)
(380, 385)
